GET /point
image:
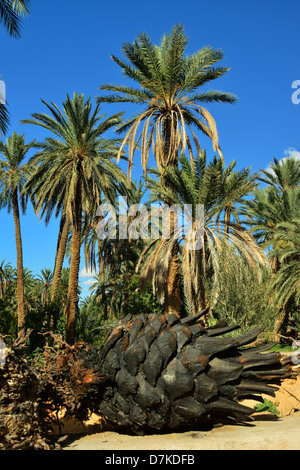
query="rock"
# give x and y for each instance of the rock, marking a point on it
(287, 399)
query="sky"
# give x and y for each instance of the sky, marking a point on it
(66, 45)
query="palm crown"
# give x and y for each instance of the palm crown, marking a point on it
(209, 185)
(168, 81)
(78, 154)
(13, 172)
(72, 170)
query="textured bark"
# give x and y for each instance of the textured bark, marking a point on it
(153, 373)
(74, 267)
(20, 275)
(165, 373)
(60, 256)
(172, 291)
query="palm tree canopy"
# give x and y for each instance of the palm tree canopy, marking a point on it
(282, 174)
(13, 169)
(286, 281)
(269, 208)
(191, 185)
(11, 12)
(168, 82)
(78, 145)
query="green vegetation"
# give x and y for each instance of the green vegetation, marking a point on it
(247, 270)
(267, 406)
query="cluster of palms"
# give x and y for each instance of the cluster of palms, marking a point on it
(76, 168)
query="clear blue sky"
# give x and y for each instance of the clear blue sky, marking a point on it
(66, 46)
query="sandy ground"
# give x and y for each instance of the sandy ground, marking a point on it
(264, 433)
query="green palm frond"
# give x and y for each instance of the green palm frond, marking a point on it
(4, 119)
(214, 187)
(167, 81)
(13, 170)
(11, 12)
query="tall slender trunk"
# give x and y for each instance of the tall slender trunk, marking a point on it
(203, 304)
(60, 256)
(75, 263)
(102, 278)
(20, 275)
(172, 289)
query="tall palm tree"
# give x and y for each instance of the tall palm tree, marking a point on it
(269, 213)
(13, 174)
(199, 184)
(11, 12)
(167, 81)
(76, 168)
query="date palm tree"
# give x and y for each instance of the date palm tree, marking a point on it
(13, 175)
(266, 210)
(168, 81)
(282, 174)
(200, 184)
(286, 282)
(270, 214)
(75, 167)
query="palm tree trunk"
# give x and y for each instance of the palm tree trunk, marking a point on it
(74, 267)
(102, 278)
(60, 256)
(227, 219)
(172, 289)
(20, 275)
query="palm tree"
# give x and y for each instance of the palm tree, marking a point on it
(45, 280)
(190, 187)
(282, 174)
(266, 210)
(64, 232)
(167, 86)
(75, 167)
(114, 260)
(286, 282)
(271, 211)
(11, 12)
(6, 277)
(13, 174)
(235, 185)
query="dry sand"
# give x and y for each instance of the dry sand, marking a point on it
(265, 433)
